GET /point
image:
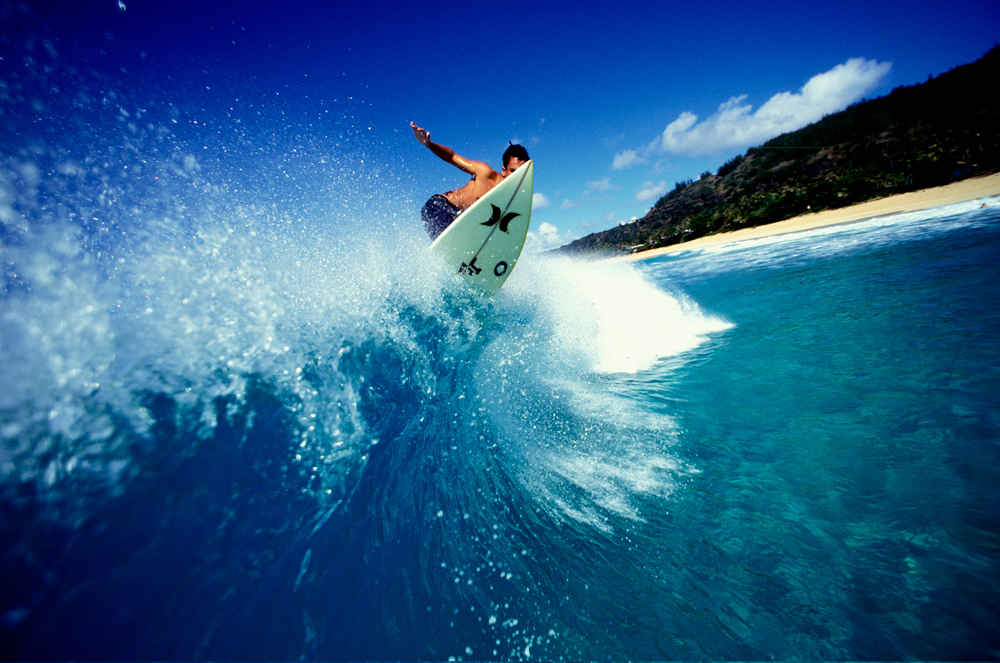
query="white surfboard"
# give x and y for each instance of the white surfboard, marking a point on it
(485, 241)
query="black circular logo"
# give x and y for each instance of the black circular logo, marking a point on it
(500, 269)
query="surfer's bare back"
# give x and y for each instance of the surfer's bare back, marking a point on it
(442, 208)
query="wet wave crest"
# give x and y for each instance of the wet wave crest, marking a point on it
(105, 353)
(250, 365)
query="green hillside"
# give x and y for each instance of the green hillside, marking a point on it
(919, 136)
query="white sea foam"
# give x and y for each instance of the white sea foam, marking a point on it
(589, 449)
(612, 315)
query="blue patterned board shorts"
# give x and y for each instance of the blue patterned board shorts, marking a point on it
(437, 214)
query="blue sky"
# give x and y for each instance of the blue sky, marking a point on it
(614, 103)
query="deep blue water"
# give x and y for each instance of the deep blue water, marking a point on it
(233, 426)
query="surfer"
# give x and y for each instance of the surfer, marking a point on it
(443, 208)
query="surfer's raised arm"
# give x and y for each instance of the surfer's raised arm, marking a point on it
(443, 208)
(474, 168)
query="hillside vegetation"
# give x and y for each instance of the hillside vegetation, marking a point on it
(918, 136)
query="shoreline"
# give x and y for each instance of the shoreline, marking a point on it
(949, 194)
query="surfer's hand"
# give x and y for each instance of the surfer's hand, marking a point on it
(422, 135)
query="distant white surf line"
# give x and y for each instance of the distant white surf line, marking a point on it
(985, 189)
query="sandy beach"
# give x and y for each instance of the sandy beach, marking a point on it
(957, 192)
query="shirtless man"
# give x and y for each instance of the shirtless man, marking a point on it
(442, 208)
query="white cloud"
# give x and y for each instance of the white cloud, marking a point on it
(600, 185)
(547, 237)
(735, 125)
(650, 190)
(627, 159)
(611, 141)
(539, 201)
(537, 137)
(569, 204)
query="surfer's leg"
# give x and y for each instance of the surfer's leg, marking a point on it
(437, 214)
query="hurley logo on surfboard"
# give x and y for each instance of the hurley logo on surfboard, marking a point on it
(496, 218)
(470, 267)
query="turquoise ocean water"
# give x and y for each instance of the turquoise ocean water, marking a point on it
(850, 416)
(244, 415)
(783, 448)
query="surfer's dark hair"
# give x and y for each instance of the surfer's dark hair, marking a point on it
(515, 151)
